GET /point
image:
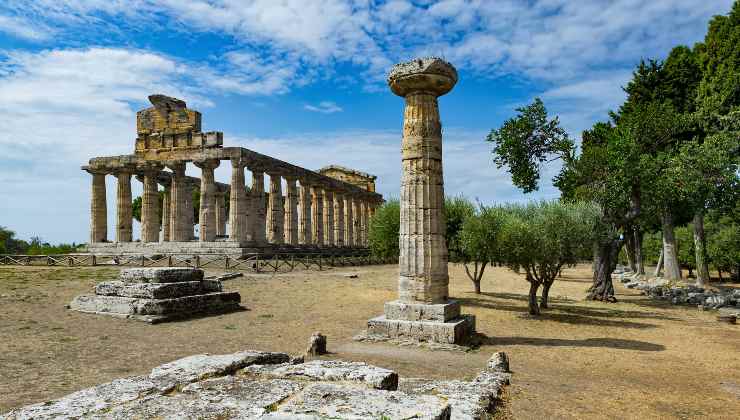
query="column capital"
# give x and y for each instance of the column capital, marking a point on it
(177, 166)
(429, 75)
(207, 163)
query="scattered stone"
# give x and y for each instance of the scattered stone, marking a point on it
(730, 319)
(331, 370)
(316, 345)
(499, 362)
(161, 275)
(226, 276)
(296, 360)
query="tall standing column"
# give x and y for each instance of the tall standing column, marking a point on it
(422, 310)
(98, 208)
(276, 211)
(328, 200)
(305, 235)
(166, 205)
(338, 219)
(357, 223)
(317, 216)
(258, 207)
(188, 223)
(291, 212)
(150, 208)
(124, 211)
(349, 222)
(207, 216)
(178, 191)
(238, 203)
(220, 213)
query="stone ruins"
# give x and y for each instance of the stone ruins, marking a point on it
(262, 385)
(325, 209)
(423, 310)
(157, 295)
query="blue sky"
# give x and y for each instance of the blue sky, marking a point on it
(303, 81)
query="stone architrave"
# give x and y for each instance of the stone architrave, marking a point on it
(124, 211)
(207, 218)
(304, 219)
(276, 211)
(238, 204)
(423, 310)
(166, 205)
(150, 207)
(338, 219)
(178, 192)
(98, 208)
(291, 211)
(349, 222)
(317, 215)
(328, 200)
(258, 222)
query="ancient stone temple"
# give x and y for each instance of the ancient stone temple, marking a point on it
(423, 310)
(314, 210)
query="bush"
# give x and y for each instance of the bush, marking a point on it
(383, 230)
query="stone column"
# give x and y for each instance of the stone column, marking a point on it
(423, 310)
(349, 222)
(258, 222)
(207, 215)
(166, 205)
(220, 213)
(188, 225)
(305, 235)
(238, 204)
(317, 216)
(291, 212)
(98, 208)
(328, 200)
(356, 222)
(124, 211)
(150, 207)
(338, 219)
(276, 211)
(178, 191)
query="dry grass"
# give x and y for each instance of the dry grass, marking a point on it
(634, 359)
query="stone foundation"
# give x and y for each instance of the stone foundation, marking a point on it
(453, 331)
(261, 385)
(158, 295)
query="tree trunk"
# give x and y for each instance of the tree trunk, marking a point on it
(719, 273)
(595, 263)
(603, 288)
(534, 309)
(629, 248)
(476, 275)
(700, 245)
(672, 270)
(639, 258)
(660, 263)
(545, 294)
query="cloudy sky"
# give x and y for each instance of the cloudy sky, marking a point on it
(302, 80)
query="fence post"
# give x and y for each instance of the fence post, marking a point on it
(197, 261)
(227, 262)
(169, 260)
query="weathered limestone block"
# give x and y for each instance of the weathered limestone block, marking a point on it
(157, 290)
(316, 344)
(329, 370)
(405, 311)
(160, 275)
(453, 331)
(156, 310)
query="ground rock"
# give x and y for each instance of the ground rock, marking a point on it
(157, 290)
(715, 301)
(160, 275)
(316, 344)
(329, 370)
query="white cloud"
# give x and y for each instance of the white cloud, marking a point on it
(324, 107)
(21, 28)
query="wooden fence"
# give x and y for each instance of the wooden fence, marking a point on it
(276, 262)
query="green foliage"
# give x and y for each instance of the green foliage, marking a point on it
(9, 244)
(383, 230)
(456, 211)
(36, 246)
(723, 240)
(686, 251)
(524, 142)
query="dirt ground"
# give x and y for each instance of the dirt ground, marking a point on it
(634, 359)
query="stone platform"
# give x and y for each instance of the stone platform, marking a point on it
(217, 247)
(156, 295)
(261, 385)
(438, 323)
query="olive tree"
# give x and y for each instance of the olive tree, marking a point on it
(478, 241)
(383, 230)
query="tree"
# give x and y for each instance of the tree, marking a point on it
(456, 211)
(524, 142)
(384, 230)
(479, 242)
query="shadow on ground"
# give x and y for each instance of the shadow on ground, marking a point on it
(613, 343)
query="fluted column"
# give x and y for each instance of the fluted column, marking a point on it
(356, 223)
(220, 213)
(207, 214)
(338, 219)
(150, 208)
(178, 192)
(124, 211)
(166, 205)
(276, 211)
(328, 200)
(291, 212)
(365, 221)
(317, 215)
(98, 208)
(305, 235)
(259, 223)
(238, 204)
(349, 222)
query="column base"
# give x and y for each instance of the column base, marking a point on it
(438, 323)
